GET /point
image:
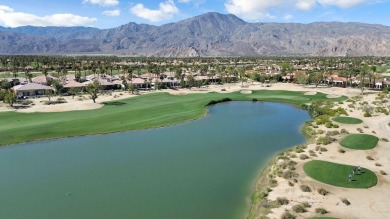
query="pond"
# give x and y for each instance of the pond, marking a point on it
(200, 169)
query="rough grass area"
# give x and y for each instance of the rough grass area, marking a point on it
(337, 174)
(141, 112)
(347, 120)
(359, 141)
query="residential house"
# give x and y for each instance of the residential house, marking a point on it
(31, 90)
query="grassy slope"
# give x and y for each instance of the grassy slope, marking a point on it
(347, 120)
(337, 174)
(146, 111)
(359, 141)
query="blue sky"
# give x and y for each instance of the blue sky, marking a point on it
(113, 13)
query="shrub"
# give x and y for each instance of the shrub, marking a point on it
(385, 139)
(382, 172)
(344, 131)
(299, 209)
(282, 201)
(332, 133)
(367, 115)
(305, 204)
(335, 126)
(305, 188)
(323, 149)
(288, 215)
(26, 102)
(321, 211)
(290, 183)
(342, 151)
(320, 131)
(289, 174)
(312, 153)
(213, 102)
(328, 125)
(360, 130)
(320, 120)
(378, 164)
(303, 157)
(369, 158)
(345, 201)
(325, 140)
(273, 182)
(322, 191)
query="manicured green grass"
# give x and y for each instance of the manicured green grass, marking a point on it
(142, 112)
(337, 174)
(347, 120)
(359, 141)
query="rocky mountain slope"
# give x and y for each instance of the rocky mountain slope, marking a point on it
(211, 34)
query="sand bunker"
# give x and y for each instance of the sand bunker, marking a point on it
(333, 96)
(310, 93)
(246, 91)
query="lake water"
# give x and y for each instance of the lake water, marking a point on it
(201, 169)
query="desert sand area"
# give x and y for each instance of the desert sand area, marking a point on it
(364, 203)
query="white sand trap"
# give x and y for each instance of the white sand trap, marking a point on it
(310, 93)
(246, 91)
(332, 96)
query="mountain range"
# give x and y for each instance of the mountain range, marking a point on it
(210, 34)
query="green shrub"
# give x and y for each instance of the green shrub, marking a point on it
(322, 191)
(345, 201)
(305, 188)
(213, 102)
(366, 114)
(282, 201)
(299, 209)
(305, 204)
(289, 174)
(328, 125)
(288, 215)
(303, 157)
(332, 133)
(325, 140)
(321, 211)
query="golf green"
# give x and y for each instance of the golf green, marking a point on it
(359, 141)
(337, 174)
(347, 120)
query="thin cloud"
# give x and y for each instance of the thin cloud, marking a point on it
(258, 9)
(11, 18)
(113, 13)
(165, 11)
(103, 2)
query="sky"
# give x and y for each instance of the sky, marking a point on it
(113, 13)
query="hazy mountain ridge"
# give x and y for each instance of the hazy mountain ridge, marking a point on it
(211, 34)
